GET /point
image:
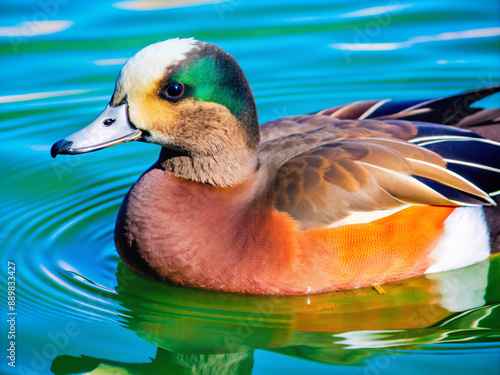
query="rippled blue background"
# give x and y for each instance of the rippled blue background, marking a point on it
(59, 60)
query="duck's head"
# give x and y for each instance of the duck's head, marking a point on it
(189, 97)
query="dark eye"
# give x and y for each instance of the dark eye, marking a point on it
(174, 90)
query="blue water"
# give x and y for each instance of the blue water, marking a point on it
(80, 309)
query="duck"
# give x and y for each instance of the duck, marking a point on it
(351, 196)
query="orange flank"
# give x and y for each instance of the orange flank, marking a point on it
(391, 248)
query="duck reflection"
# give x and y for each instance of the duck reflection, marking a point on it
(205, 332)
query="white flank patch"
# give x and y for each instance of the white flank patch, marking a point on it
(150, 63)
(465, 240)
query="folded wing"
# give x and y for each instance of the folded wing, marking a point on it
(343, 176)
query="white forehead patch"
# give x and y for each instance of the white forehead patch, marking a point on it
(150, 63)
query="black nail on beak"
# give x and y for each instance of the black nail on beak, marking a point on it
(60, 147)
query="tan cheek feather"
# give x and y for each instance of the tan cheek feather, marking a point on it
(191, 123)
(208, 123)
(151, 113)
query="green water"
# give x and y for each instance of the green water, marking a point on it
(80, 310)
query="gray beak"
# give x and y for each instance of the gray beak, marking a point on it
(110, 128)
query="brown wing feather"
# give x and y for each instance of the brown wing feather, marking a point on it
(327, 174)
(327, 126)
(356, 110)
(323, 185)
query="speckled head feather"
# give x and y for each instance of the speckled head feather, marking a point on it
(210, 73)
(213, 123)
(150, 64)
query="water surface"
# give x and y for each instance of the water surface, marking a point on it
(81, 310)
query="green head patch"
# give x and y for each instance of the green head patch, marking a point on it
(215, 80)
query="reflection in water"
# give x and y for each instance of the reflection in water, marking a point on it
(165, 362)
(466, 34)
(39, 95)
(161, 4)
(205, 332)
(27, 29)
